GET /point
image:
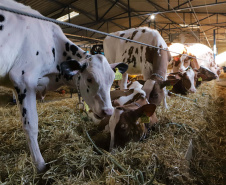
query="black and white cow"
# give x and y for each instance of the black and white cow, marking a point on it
(149, 61)
(31, 61)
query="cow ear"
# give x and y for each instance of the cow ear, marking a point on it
(71, 67)
(194, 63)
(203, 76)
(122, 67)
(169, 82)
(147, 109)
(141, 82)
(178, 75)
(171, 77)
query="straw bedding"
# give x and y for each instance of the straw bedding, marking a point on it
(186, 146)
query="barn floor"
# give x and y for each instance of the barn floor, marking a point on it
(187, 146)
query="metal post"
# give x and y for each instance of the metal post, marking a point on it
(96, 10)
(129, 14)
(69, 17)
(214, 44)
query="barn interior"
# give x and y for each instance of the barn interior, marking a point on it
(186, 146)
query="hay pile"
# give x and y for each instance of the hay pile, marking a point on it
(161, 158)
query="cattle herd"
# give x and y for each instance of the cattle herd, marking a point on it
(37, 57)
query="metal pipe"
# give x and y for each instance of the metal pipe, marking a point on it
(173, 11)
(214, 44)
(129, 14)
(96, 10)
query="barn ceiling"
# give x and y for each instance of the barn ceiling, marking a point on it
(176, 20)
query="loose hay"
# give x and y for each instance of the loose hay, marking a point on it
(72, 160)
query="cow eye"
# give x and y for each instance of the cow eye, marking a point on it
(89, 80)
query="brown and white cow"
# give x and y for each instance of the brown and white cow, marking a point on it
(188, 81)
(196, 56)
(36, 56)
(124, 125)
(149, 61)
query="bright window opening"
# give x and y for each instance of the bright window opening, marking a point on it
(66, 17)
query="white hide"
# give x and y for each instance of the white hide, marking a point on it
(135, 84)
(148, 86)
(114, 48)
(204, 55)
(32, 52)
(115, 117)
(122, 100)
(191, 75)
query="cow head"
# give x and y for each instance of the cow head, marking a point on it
(93, 78)
(181, 63)
(128, 126)
(210, 75)
(187, 79)
(154, 89)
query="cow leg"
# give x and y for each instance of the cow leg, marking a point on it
(123, 82)
(26, 101)
(114, 119)
(164, 99)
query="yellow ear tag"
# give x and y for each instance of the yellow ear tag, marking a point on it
(200, 79)
(118, 75)
(170, 87)
(144, 119)
(86, 107)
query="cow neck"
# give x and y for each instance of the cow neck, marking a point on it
(158, 75)
(139, 101)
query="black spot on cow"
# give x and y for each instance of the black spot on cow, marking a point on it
(64, 53)
(58, 68)
(143, 30)
(67, 46)
(122, 34)
(78, 55)
(124, 52)
(17, 90)
(127, 40)
(87, 90)
(21, 96)
(73, 49)
(53, 51)
(130, 51)
(68, 58)
(150, 54)
(2, 18)
(25, 121)
(142, 47)
(134, 61)
(133, 35)
(136, 51)
(22, 72)
(1, 27)
(24, 111)
(37, 53)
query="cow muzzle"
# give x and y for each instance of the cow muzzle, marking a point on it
(104, 112)
(107, 111)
